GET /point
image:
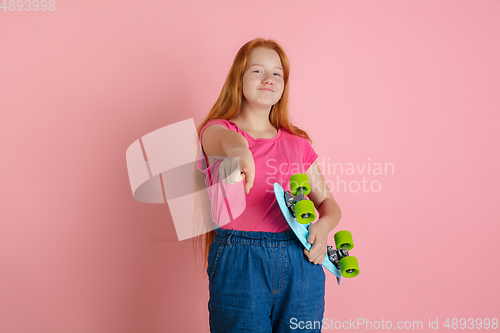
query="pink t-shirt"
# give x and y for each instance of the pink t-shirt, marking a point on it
(276, 159)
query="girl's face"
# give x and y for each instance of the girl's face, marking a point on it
(263, 81)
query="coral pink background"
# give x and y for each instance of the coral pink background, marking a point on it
(413, 83)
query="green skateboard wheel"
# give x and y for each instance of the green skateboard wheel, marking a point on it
(343, 237)
(349, 267)
(299, 181)
(304, 211)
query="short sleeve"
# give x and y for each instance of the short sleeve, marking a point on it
(202, 159)
(308, 153)
(223, 122)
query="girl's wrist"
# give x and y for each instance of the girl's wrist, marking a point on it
(326, 223)
(329, 213)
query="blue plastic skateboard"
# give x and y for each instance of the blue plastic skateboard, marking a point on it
(296, 208)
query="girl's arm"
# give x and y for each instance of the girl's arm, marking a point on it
(217, 140)
(329, 215)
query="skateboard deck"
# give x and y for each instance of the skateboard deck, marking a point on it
(300, 230)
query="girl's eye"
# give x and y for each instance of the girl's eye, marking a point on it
(258, 70)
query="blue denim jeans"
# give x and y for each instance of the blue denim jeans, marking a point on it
(262, 282)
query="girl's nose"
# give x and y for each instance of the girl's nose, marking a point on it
(269, 78)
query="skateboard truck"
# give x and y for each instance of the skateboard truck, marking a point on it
(291, 200)
(336, 255)
(299, 207)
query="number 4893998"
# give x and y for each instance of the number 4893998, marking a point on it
(479, 323)
(28, 5)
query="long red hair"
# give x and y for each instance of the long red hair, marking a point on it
(229, 105)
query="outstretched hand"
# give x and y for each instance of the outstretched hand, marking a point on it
(239, 166)
(249, 175)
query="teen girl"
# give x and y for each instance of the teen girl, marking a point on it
(261, 279)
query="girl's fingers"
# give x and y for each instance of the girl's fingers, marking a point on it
(315, 258)
(230, 172)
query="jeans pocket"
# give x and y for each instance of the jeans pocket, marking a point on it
(213, 255)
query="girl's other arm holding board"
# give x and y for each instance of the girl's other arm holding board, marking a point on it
(329, 214)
